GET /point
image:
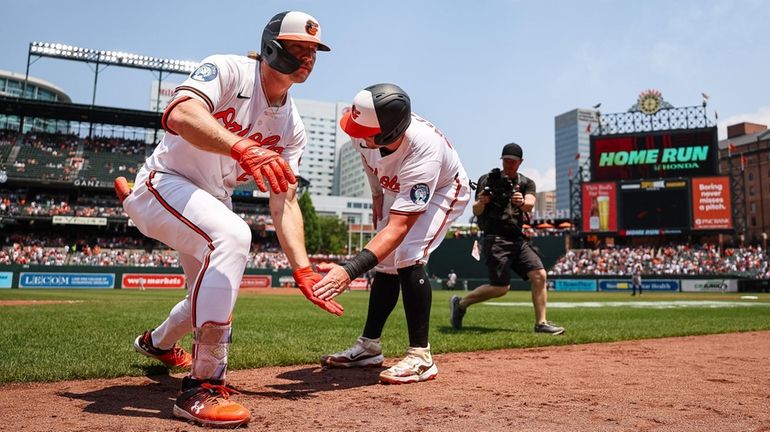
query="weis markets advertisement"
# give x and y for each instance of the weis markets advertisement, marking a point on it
(152, 281)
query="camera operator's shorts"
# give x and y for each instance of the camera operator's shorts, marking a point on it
(502, 254)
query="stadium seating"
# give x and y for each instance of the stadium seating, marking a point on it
(675, 259)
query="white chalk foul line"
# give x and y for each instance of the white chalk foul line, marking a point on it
(639, 304)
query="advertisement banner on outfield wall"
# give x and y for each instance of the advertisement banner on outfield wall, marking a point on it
(574, 284)
(79, 220)
(286, 281)
(257, 281)
(66, 280)
(152, 281)
(358, 284)
(711, 203)
(6, 278)
(647, 285)
(709, 285)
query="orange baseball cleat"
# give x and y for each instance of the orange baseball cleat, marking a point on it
(174, 357)
(208, 404)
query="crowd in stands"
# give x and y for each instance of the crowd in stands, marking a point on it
(63, 157)
(528, 231)
(8, 137)
(124, 250)
(16, 203)
(111, 167)
(749, 261)
(50, 156)
(708, 259)
(114, 145)
(55, 144)
(35, 254)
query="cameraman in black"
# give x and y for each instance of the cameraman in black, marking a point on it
(503, 202)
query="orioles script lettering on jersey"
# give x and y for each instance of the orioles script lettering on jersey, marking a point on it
(390, 183)
(227, 117)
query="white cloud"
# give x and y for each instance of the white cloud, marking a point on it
(544, 181)
(761, 116)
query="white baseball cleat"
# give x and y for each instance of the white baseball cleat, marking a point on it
(365, 353)
(417, 366)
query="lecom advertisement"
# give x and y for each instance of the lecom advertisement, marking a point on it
(600, 207)
(711, 203)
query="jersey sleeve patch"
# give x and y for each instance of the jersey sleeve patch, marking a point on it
(205, 72)
(420, 194)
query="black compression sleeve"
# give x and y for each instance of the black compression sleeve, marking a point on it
(360, 264)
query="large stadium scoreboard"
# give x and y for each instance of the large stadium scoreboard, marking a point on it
(656, 183)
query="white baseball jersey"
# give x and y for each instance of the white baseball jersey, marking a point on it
(424, 162)
(231, 88)
(423, 176)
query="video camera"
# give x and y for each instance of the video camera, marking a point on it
(500, 187)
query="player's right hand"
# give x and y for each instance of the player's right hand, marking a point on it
(259, 163)
(485, 198)
(305, 278)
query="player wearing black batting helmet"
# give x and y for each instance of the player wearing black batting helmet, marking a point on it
(419, 187)
(381, 111)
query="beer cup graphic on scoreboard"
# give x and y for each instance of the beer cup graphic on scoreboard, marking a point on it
(603, 203)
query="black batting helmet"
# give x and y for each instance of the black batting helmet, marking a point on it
(382, 111)
(290, 25)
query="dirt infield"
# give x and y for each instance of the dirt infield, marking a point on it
(704, 383)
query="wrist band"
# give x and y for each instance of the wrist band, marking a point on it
(360, 264)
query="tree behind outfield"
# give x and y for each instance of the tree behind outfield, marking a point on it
(334, 235)
(312, 227)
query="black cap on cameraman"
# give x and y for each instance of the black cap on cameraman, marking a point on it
(512, 151)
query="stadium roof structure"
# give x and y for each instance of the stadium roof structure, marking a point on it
(79, 113)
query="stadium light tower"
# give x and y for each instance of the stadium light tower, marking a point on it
(106, 58)
(103, 59)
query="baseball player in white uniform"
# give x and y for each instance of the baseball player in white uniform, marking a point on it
(230, 121)
(419, 187)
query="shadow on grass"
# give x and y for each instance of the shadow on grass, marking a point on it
(474, 330)
(307, 381)
(156, 370)
(152, 400)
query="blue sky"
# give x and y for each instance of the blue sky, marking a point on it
(485, 72)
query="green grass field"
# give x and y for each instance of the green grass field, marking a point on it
(92, 336)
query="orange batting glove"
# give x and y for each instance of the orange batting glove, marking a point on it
(259, 163)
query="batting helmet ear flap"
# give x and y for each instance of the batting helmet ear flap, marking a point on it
(394, 112)
(278, 58)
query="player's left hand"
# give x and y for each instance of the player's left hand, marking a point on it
(517, 199)
(305, 278)
(333, 284)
